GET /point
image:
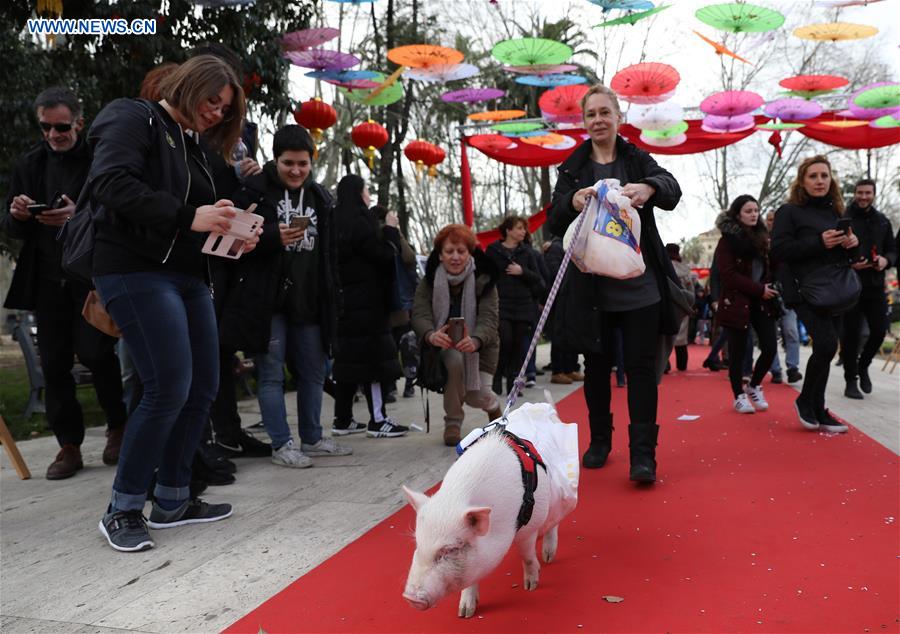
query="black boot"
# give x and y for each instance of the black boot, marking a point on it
(865, 382)
(642, 444)
(601, 442)
(852, 391)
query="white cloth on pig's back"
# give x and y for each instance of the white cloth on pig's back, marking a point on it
(557, 443)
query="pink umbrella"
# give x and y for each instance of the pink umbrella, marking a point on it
(729, 103)
(869, 114)
(472, 95)
(562, 104)
(793, 109)
(322, 59)
(308, 38)
(541, 69)
(723, 125)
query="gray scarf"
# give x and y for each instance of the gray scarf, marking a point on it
(440, 306)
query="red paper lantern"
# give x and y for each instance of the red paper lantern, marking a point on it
(419, 152)
(436, 156)
(369, 136)
(316, 116)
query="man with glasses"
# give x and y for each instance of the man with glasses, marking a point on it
(44, 185)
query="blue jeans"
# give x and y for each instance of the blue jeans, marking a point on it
(790, 339)
(304, 343)
(168, 324)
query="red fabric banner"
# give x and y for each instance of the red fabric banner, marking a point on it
(468, 213)
(534, 223)
(862, 137)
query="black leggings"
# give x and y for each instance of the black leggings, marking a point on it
(874, 311)
(764, 325)
(824, 330)
(343, 402)
(640, 342)
(512, 354)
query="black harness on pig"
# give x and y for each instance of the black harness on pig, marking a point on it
(529, 459)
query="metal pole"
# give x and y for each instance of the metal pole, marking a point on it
(869, 163)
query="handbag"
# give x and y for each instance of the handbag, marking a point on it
(832, 289)
(431, 374)
(77, 238)
(95, 314)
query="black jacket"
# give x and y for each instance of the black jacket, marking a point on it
(797, 244)
(581, 313)
(519, 294)
(258, 286)
(28, 178)
(734, 257)
(875, 236)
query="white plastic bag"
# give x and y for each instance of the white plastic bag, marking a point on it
(609, 242)
(557, 443)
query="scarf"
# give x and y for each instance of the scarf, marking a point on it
(440, 306)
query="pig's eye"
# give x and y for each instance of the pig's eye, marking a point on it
(446, 552)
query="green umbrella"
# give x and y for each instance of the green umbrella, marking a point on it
(779, 126)
(740, 17)
(805, 94)
(879, 97)
(517, 126)
(679, 128)
(631, 18)
(389, 95)
(887, 121)
(526, 51)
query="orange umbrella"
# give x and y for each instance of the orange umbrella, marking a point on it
(720, 48)
(846, 123)
(496, 115)
(835, 31)
(424, 55)
(544, 140)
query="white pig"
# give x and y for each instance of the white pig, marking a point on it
(466, 528)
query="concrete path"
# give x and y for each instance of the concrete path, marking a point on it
(57, 573)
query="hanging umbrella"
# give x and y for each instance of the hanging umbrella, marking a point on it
(882, 95)
(524, 134)
(729, 103)
(624, 5)
(423, 55)
(804, 94)
(679, 128)
(354, 84)
(793, 109)
(541, 69)
(779, 126)
(671, 141)
(721, 49)
(740, 17)
(632, 18)
(308, 38)
(566, 143)
(723, 125)
(472, 95)
(869, 114)
(322, 59)
(887, 121)
(491, 142)
(442, 72)
(835, 31)
(847, 123)
(526, 51)
(368, 97)
(516, 127)
(838, 4)
(547, 81)
(496, 115)
(645, 82)
(543, 140)
(562, 104)
(656, 116)
(814, 83)
(343, 75)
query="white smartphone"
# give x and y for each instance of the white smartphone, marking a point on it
(231, 245)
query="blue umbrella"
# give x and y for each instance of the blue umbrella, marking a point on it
(547, 81)
(342, 75)
(624, 5)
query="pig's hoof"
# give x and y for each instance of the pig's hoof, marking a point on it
(548, 553)
(531, 583)
(468, 601)
(548, 547)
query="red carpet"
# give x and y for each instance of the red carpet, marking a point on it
(755, 525)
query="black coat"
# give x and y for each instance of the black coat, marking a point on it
(258, 286)
(875, 235)
(519, 294)
(364, 349)
(580, 312)
(733, 259)
(28, 178)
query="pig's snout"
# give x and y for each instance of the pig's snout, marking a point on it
(418, 600)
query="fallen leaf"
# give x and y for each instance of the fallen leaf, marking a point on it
(611, 599)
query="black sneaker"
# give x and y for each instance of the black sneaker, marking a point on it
(126, 531)
(243, 445)
(828, 422)
(794, 375)
(806, 414)
(776, 378)
(851, 391)
(865, 382)
(345, 429)
(385, 429)
(409, 390)
(194, 511)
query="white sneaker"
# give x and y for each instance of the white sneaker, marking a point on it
(757, 398)
(326, 447)
(742, 405)
(289, 456)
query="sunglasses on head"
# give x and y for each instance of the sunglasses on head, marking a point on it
(59, 127)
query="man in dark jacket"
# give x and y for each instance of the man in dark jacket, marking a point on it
(44, 184)
(877, 252)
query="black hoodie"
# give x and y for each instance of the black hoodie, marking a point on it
(875, 238)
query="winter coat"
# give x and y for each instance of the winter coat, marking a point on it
(875, 236)
(579, 304)
(28, 178)
(797, 244)
(519, 294)
(364, 349)
(487, 312)
(734, 258)
(259, 286)
(683, 271)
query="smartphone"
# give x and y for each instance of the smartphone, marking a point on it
(843, 224)
(38, 208)
(457, 328)
(299, 222)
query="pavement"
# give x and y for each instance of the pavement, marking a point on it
(57, 574)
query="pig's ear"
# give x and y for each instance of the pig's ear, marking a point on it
(415, 499)
(478, 519)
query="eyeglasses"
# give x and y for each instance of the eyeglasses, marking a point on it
(59, 127)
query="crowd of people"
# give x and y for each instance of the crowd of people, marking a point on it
(326, 290)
